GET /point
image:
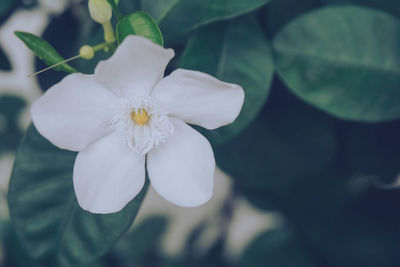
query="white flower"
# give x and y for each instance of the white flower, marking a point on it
(127, 111)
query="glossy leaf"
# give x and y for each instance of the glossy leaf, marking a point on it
(139, 23)
(278, 13)
(46, 215)
(44, 51)
(236, 51)
(343, 60)
(177, 17)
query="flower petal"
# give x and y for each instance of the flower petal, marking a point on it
(182, 169)
(135, 68)
(74, 112)
(199, 98)
(107, 175)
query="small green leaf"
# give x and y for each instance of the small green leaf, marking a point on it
(139, 23)
(236, 51)
(44, 51)
(46, 215)
(343, 60)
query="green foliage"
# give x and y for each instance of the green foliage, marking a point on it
(44, 51)
(286, 133)
(139, 23)
(331, 59)
(177, 17)
(237, 52)
(45, 213)
(5, 6)
(373, 151)
(300, 147)
(139, 245)
(279, 14)
(275, 248)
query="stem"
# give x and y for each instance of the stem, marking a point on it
(55, 65)
(109, 35)
(115, 9)
(99, 47)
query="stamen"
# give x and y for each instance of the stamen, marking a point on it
(140, 117)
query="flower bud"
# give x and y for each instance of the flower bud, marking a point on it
(100, 11)
(86, 52)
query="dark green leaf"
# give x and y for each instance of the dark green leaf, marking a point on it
(177, 17)
(343, 60)
(236, 51)
(282, 11)
(390, 6)
(139, 23)
(136, 247)
(277, 248)
(374, 151)
(5, 6)
(44, 51)
(288, 140)
(45, 213)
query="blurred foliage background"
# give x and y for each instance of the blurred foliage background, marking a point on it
(317, 142)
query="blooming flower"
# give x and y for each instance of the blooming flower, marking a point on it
(126, 112)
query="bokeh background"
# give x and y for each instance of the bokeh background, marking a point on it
(298, 184)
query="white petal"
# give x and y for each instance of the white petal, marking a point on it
(135, 68)
(74, 112)
(199, 98)
(107, 175)
(182, 169)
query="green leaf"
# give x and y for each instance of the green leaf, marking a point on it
(139, 23)
(280, 247)
(236, 51)
(343, 60)
(288, 140)
(177, 17)
(44, 51)
(278, 13)
(5, 6)
(390, 6)
(373, 151)
(138, 245)
(45, 212)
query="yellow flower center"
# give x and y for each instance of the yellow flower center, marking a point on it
(140, 117)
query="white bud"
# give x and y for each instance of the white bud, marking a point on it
(100, 11)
